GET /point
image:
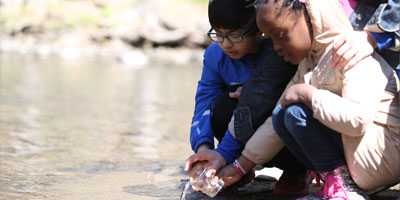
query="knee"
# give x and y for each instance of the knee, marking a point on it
(291, 118)
(278, 119)
(295, 110)
(296, 115)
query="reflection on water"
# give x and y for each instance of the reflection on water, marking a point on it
(92, 129)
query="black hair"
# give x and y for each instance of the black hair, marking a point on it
(294, 5)
(232, 14)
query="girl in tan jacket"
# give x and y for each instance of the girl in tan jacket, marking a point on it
(339, 123)
(328, 118)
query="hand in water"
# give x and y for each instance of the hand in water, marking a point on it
(195, 171)
(199, 181)
(215, 160)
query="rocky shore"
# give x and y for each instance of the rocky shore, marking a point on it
(262, 188)
(133, 32)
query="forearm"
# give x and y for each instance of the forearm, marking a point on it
(264, 145)
(352, 113)
(201, 133)
(229, 148)
(201, 130)
(204, 146)
(246, 163)
(371, 40)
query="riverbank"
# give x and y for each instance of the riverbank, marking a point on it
(261, 189)
(132, 32)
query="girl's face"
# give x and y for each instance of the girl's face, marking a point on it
(249, 44)
(288, 30)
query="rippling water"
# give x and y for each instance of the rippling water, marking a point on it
(93, 129)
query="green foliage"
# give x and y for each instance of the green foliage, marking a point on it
(71, 23)
(4, 17)
(202, 1)
(86, 20)
(106, 11)
(79, 21)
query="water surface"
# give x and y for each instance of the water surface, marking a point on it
(93, 129)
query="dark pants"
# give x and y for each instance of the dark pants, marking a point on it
(317, 146)
(222, 113)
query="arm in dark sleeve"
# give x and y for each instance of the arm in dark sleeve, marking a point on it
(260, 93)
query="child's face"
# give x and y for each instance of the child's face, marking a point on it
(288, 31)
(249, 44)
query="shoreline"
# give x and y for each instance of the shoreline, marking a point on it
(116, 50)
(262, 188)
(145, 30)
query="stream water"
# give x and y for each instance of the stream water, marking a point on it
(93, 129)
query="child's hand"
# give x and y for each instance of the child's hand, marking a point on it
(350, 48)
(216, 161)
(193, 172)
(298, 93)
(229, 175)
(236, 94)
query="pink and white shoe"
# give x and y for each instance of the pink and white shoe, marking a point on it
(338, 186)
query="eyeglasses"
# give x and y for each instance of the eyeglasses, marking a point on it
(232, 37)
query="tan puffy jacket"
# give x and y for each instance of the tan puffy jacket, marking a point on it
(361, 103)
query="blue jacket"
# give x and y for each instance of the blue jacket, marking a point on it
(219, 73)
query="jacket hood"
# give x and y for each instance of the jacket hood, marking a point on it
(327, 20)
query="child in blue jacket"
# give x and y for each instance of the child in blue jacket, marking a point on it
(242, 63)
